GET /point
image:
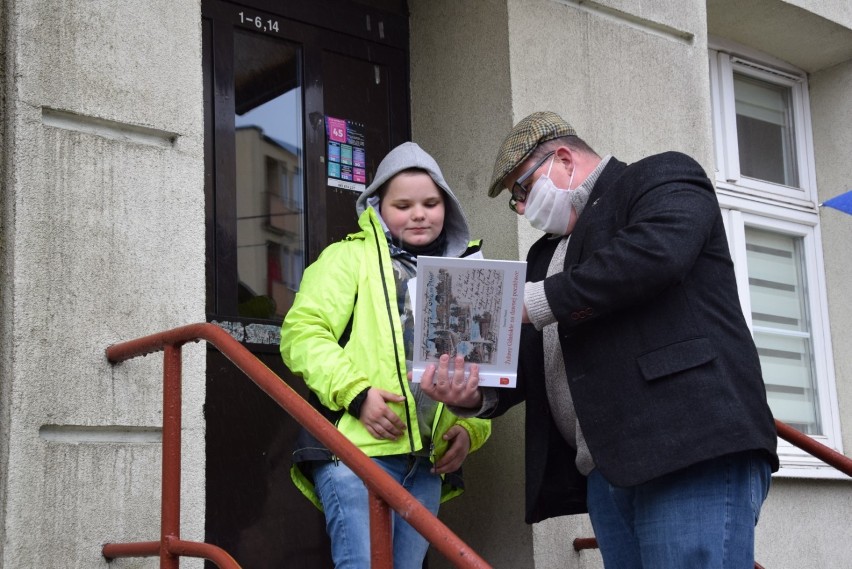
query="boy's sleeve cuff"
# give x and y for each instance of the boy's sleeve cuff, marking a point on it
(354, 408)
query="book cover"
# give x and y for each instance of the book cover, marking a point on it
(471, 307)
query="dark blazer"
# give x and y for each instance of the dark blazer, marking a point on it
(661, 365)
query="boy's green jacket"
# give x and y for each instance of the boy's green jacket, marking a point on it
(352, 283)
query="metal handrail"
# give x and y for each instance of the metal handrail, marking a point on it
(384, 491)
(816, 449)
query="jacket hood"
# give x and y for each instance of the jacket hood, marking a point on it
(410, 155)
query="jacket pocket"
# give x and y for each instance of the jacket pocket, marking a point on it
(676, 358)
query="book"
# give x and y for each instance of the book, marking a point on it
(469, 306)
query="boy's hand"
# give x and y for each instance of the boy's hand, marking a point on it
(380, 421)
(457, 451)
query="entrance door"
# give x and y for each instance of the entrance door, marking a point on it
(274, 74)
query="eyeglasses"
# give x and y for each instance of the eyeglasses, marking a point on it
(519, 192)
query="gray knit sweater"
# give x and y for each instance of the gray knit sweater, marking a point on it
(541, 316)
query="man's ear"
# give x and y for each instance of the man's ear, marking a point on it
(565, 155)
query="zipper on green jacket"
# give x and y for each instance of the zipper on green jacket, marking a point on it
(393, 331)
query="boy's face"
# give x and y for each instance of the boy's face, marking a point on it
(413, 208)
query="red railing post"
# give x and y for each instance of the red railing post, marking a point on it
(381, 533)
(581, 543)
(170, 507)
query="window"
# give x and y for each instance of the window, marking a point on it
(766, 189)
(761, 128)
(296, 196)
(765, 133)
(285, 184)
(284, 273)
(782, 325)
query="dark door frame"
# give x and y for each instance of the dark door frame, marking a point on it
(252, 508)
(351, 30)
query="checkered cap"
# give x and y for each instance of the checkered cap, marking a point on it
(522, 140)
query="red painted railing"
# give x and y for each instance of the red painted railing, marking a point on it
(385, 493)
(828, 455)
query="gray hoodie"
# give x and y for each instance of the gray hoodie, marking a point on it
(410, 155)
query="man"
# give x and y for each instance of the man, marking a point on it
(645, 404)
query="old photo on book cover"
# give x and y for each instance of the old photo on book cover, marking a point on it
(471, 307)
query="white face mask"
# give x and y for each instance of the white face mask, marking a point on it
(548, 207)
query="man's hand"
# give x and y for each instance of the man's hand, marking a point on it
(452, 388)
(381, 422)
(457, 451)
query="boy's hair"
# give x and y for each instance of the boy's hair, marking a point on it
(380, 193)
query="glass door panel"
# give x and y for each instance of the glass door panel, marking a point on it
(269, 188)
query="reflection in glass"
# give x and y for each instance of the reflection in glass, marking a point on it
(270, 186)
(782, 326)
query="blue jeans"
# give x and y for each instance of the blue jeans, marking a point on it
(700, 517)
(347, 516)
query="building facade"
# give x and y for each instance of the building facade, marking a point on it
(174, 162)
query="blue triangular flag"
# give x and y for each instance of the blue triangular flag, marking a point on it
(843, 202)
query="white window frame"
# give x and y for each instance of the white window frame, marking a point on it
(781, 209)
(725, 59)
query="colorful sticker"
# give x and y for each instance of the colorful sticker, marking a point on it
(346, 154)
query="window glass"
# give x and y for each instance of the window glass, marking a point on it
(765, 131)
(269, 189)
(782, 327)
